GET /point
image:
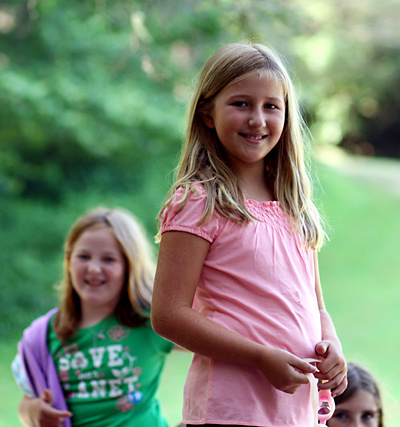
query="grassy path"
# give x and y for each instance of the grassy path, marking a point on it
(360, 265)
(382, 174)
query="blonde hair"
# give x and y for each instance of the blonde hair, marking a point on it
(202, 158)
(133, 308)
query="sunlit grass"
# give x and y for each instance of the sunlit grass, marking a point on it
(360, 272)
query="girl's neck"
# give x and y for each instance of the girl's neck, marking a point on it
(258, 193)
(254, 186)
(93, 316)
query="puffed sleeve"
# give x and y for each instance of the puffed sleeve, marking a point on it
(187, 219)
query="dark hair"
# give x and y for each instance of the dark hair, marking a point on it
(359, 378)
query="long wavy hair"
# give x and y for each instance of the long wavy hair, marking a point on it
(133, 308)
(203, 160)
(358, 378)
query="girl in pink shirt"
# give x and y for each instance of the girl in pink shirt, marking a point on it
(237, 279)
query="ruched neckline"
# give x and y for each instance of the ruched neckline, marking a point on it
(268, 203)
(268, 212)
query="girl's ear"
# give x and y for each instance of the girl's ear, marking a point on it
(206, 116)
(207, 119)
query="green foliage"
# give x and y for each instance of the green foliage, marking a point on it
(74, 95)
(31, 258)
(92, 93)
(92, 107)
(348, 61)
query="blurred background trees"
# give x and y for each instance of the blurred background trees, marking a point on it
(93, 102)
(93, 99)
(93, 93)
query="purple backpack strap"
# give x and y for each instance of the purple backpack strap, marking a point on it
(38, 363)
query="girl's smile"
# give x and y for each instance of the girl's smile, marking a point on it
(248, 116)
(97, 268)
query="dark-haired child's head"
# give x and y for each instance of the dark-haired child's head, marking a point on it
(360, 405)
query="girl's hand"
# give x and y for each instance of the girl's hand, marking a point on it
(332, 368)
(180, 262)
(39, 412)
(285, 371)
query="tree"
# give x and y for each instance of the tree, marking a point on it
(93, 93)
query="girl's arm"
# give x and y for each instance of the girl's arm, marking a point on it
(332, 368)
(180, 262)
(38, 412)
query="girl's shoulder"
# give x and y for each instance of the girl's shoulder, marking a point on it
(38, 328)
(191, 197)
(188, 191)
(189, 211)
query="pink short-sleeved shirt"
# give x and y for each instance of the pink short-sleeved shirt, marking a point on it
(257, 280)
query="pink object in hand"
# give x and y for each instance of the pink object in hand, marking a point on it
(326, 406)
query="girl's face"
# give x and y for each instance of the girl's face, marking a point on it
(248, 116)
(97, 269)
(361, 410)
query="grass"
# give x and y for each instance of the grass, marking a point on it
(9, 391)
(360, 275)
(359, 270)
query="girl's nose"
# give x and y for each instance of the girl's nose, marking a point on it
(94, 266)
(257, 118)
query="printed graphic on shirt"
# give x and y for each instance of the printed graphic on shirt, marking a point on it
(97, 366)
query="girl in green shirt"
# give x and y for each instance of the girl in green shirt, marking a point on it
(101, 360)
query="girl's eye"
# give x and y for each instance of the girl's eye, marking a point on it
(109, 259)
(83, 256)
(340, 415)
(367, 415)
(239, 104)
(270, 106)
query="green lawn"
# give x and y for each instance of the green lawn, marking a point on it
(9, 391)
(360, 272)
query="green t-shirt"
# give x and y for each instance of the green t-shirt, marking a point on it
(110, 374)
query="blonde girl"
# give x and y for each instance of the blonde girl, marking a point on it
(237, 278)
(95, 361)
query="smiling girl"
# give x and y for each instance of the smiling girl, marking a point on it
(237, 278)
(95, 361)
